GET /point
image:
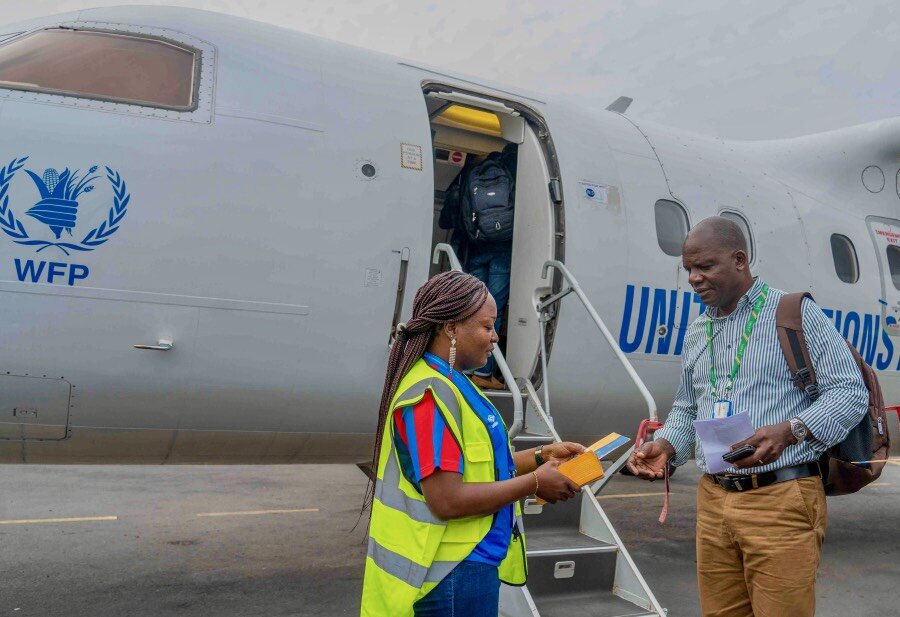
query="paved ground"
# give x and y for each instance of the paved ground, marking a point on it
(276, 541)
(860, 561)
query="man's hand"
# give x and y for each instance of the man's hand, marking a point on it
(562, 451)
(552, 485)
(650, 460)
(769, 441)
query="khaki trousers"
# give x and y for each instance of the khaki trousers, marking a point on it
(758, 551)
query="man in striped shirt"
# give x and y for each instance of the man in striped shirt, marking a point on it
(760, 525)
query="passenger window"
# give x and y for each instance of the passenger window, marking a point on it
(845, 263)
(101, 65)
(893, 253)
(741, 222)
(671, 226)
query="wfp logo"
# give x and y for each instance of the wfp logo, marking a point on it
(57, 207)
(55, 218)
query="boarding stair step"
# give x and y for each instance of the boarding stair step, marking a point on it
(531, 440)
(588, 604)
(502, 393)
(559, 515)
(568, 570)
(564, 541)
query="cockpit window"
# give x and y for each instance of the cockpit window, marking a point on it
(101, 65)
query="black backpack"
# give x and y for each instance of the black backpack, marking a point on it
(859, 459)
(487, 201)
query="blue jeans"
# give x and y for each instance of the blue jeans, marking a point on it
(492, 265)
(472, 589)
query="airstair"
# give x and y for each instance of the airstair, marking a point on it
(577, 564)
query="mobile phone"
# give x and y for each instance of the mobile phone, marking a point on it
(736, 455)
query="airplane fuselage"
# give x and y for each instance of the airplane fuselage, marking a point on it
(263, 235)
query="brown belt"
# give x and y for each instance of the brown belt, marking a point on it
(747, 482)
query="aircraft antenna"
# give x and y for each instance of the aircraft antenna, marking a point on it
(620, 104)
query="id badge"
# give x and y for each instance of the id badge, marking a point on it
(722, 408)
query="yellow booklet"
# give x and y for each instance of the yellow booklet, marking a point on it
(586, 468)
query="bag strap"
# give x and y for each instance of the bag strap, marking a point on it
(789, 324)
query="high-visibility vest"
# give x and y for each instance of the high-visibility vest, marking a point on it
(410, 549)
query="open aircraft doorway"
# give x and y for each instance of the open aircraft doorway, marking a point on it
(466, 128)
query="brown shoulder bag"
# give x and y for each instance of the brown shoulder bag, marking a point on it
(859, 459)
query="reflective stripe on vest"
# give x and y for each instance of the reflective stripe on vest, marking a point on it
(388, 492)
(406, 570)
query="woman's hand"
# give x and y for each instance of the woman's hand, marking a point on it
(552, 485)
(562, 451)
(526, 462)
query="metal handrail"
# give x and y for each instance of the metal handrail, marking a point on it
(446, 249)
(575, 287)
(518, 411)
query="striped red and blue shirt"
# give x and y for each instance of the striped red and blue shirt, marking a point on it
(424, 442)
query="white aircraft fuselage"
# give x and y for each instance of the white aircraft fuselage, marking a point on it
(263, 234)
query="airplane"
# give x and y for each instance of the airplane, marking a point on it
(211, 227)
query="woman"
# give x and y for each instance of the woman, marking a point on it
(444, 529)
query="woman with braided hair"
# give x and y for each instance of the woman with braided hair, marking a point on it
(445, 527)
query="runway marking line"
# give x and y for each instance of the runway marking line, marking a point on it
(630, 495)
(258, 512)
(73, 519)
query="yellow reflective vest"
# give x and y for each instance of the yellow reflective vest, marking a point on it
(410, 549)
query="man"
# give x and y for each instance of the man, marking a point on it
(760, 528)
(490, 261)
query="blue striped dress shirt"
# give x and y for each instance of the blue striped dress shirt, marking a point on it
(763, 386)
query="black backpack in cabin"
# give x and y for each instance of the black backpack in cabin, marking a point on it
(859, 459)
(487, 201)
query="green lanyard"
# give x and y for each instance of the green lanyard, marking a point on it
(742, 347)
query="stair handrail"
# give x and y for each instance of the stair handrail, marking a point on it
(518, 409)
(623, 359)
(535, 401)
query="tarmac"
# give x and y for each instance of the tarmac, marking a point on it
(279, 541)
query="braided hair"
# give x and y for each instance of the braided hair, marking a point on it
(449, 296)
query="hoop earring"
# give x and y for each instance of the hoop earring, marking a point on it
(452, 355)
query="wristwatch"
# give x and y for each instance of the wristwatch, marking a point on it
(538, 459)
(798, 429)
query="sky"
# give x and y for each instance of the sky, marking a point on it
(738, 69)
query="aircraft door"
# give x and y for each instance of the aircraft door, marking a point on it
(467, 128)
(886, 237)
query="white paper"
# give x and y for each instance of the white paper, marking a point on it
(717, 436)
